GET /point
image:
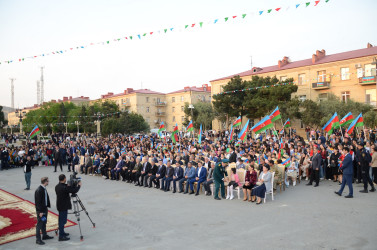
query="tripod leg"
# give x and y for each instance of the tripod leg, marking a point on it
(84, 209)
(77, 214)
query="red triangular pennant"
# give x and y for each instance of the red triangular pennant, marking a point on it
(193, 25)
(234, 16)
(316, 2)
(277, 9)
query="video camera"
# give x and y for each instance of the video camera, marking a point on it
(74, 180)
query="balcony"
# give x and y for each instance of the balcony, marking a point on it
(160, 113)
(127, 104)
(366, 80)
(157, 121)
(160, 104)
(320, 85)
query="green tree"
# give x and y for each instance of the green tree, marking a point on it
(203, 113)
(127, 123)
(2, 117)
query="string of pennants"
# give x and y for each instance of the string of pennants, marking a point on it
(55, 124)
(168, 30)
(80, 116)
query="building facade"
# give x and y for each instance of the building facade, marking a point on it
(348, 75)
(156, 107)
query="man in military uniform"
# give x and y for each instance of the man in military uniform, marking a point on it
(363, 160)
(219, 174)
(278, 178)
(4, 158)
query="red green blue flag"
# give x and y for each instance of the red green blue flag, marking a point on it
(34, 132)
(237, 122)
(263, 125)
(331, 124)
(200, 134)
(347, 119)
(275, 115)
(231, 134)
(174, 135)
(242, 135)
(287, 124)
(358, 122)
(190, 127)
(287, 162)
(162, 128)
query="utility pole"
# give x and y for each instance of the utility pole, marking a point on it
(42, 87)
(251, 62)
(12, 91)
(38, 92)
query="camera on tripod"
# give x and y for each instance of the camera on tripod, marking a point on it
(73, 180)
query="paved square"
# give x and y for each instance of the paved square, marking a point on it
(129, 217)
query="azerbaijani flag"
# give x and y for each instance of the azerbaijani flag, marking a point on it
(287, 162)
(200, 134)
(162, 128)
(331, 124)
(281, 131)
(275, 115)
(347, 119)
(190, 127)
(281, 151)
(174, 135)
(34, 132)
(287, 124)
(263, 125)
(238, 143)
(237, 122)
(242, 135)
(358, 122)
(231, 134)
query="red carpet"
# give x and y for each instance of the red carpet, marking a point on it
(18, 218)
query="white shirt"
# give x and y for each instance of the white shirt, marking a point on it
(200, 169)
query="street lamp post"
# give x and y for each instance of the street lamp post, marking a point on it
(192, 112)
(66, 130)
(98, 123)
(20, 114)
(77, 124)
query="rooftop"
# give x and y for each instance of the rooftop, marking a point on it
(319, 57)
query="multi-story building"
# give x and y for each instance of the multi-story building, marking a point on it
(176, 102)
(348, 75)
(158, 107)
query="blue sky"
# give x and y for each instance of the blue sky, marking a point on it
(164, 62)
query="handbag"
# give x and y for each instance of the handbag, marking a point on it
(258, 183)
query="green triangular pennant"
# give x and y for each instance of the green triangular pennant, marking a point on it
(307, 4)
(165, 30)
(145, 34)
(268, 11)
(201, 23)
(327, 1)
(131, 37)
(226, 19)
(108, 42)
(243, 15)
(186, 26)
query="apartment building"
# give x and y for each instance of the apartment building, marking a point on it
(348, 75)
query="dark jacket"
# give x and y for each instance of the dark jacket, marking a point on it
(233, 157)
(153, 170)
(63, 200)
(28, 166)
(161, 171)
(169, 172)
(316, 161)
(40, 200)
(347, 165)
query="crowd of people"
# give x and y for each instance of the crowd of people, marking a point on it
(258, 166)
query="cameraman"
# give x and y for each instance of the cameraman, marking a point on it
(63, 203)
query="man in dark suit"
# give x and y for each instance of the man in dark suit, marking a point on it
(58, 158)
(233, 156)
(145, 171)
(63, 203)
(347, 169)
(42, 202)
(168, 177)
(178, 175)
(200, 177)
(160, 174)
(316, 164)
(152, 174)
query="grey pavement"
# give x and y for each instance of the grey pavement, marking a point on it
(129, 217)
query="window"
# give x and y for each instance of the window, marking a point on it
(147, 99)
(301, 79)
(182, 108)
(301, 124)
(321, 76)
(283, 78)
(345, 96)
(345, 73)
(322, 97)
(182, 98)
(302, 97)
(370, 97)
(147, 109)
(147, 119)
(173, 109)
(209, 98)
(370, 70)
(173, 118)
(158, 100)
(173, 99)
(182, 118)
